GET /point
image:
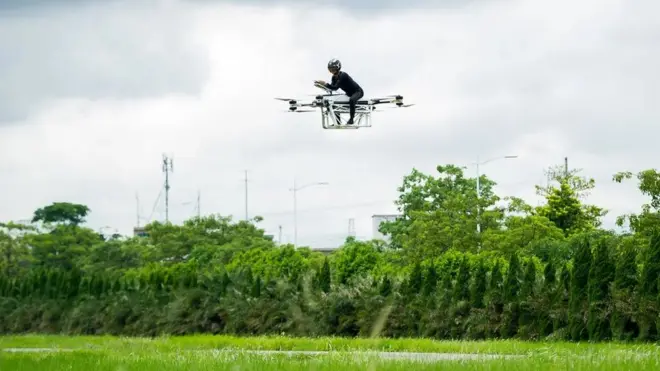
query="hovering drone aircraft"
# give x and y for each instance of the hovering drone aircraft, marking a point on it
(334, 106)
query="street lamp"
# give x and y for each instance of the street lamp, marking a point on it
(479, 183)
(295, 190)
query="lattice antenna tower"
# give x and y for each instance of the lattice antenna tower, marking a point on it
(168, 166)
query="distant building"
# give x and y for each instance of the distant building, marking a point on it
(325, 250)
(139, 232)
(377, 220)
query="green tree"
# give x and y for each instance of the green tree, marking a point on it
(625, 281)
(430, 280)
(549, 298)
(15, 256)
(601, 275)
(648, 289)
(528, 326)
(649, 185)
(325, 277)
(479, 285)
(495, 300)
(355, 259)
(565, 205)
(440, 213)
(578, 289)
(511, 292)
(61, 212)
(64, 247)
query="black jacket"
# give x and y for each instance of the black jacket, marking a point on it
(344, 82)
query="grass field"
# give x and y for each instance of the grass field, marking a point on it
(233, 353)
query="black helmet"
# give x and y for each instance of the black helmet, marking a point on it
(334, 63)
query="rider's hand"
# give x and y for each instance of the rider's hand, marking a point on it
(320, 82)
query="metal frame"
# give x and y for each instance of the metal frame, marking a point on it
(331, 116)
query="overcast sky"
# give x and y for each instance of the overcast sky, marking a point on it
(93, 93)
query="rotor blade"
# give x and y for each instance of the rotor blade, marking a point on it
(299, 111)
(285, 99)
(395, 106)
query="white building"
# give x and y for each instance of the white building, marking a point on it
(377, 220)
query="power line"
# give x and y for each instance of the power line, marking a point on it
(338, 207)
(155, 204)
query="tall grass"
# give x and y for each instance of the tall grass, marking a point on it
(226, 352)
(234, 360)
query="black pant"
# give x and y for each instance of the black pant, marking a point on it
(353, 100)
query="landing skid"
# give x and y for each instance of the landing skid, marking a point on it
(335, 117)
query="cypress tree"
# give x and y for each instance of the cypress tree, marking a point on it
(496, 287)
(51, 284)
(648, 290)
(578, 290)
(511, 291)
(601, 275)
(224, 283)
(625, 280)
(446, 285)
(256, 288)
(495, 303)
(461, 296)
(416, 280)
(462, 286)
(74, 283)
(512, 283)
(430, 281)
(549, 276)
(325, 276)
(651, 269)
(529, 280)
(550, 294)
(385, 287)
(479, 285)
(526, 319)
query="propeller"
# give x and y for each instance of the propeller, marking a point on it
(295, 109)
(395, 107)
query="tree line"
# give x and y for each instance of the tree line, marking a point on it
(544, 272)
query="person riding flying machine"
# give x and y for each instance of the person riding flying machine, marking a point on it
(342, 80)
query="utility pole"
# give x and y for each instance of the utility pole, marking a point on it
(246, 195)
(566, 167)
(137, 207)
(280, 236)
(351, 227)
(199, 207)
(295, 214)
(168, 166)
(295, 190)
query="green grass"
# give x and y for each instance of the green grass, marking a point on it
(225, 353)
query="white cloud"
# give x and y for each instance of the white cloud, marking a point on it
(108, 88)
